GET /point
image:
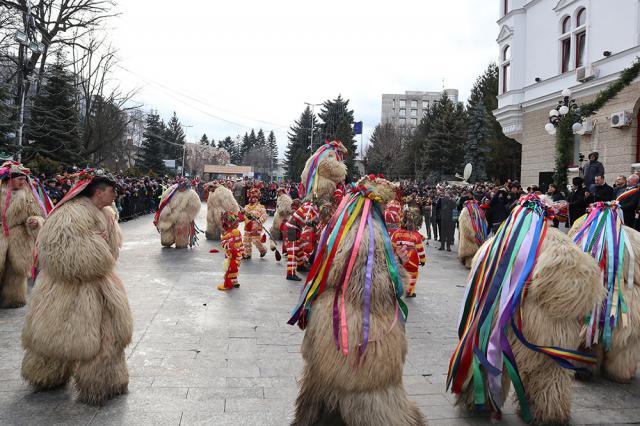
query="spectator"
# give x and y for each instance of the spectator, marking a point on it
(446, 205)
(620, 185)
(577, 200)
(593, 169)
(630, 201)
(601, 191)
(497, 211)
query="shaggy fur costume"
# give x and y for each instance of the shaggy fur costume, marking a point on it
(283, 212)
(79, 321)
(563, 288)
(219, 201)
(331, 171)
(16, 249)
(467, 245)
(335, 386)
(175, 220)
(621, 362)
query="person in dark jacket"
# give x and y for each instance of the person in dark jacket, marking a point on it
(498, 210)
(577, 200)
(630, 201)
(446, 205)
(555, 195)
(593, 169)
(600, 191)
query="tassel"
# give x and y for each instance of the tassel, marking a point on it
(214, 251)
(272, 245)
(263, 239)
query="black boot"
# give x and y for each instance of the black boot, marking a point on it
(293, 278)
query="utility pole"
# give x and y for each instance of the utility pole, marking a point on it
(184, 148)
(313, 116)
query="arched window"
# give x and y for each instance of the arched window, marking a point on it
(581, 17)
(566, 24)
(506, 68)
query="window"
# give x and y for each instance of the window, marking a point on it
(425, 104)
(393, 111)
(506, 68)
(403, 111)
(581, 41)
(581, 17)
(565, 47)
(414, 121)
(414, 104)
(566, 24)
(414, 112)
(402, 121)
(505, 7)
(576, 150)
(402, 103)
(394, 103)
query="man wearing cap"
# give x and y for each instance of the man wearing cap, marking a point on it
(79, 321)
(23, 213)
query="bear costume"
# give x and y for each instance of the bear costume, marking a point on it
(220, 200)
(353, 362)
(179, 206)
(283, 213)
(473, 231)
(79, 321)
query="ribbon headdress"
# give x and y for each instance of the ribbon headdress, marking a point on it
(310, 186)
(82, 179)
(364, 203)
(603, 237)
(478, 221)
(13, 169)
(495, 291)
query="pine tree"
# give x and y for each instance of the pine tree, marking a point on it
(232, 148)
(175, 139)
(476, 149)
(272, 145)
(261, 141)
(151, 152)
(297, 151)
(204, 140)
(54, 124)
(338, 124)
(504, 157)
(247, 144)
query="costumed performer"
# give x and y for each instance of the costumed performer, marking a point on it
(612, 327)
(408, 247)
(473, 231)
(175, 217)
(354, 347)
(283, 213)
(79, 321)
(528, 292)
(23, 205)
(233, 246)
(220, 200)
(255, 215)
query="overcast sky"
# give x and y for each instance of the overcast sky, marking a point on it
(254, 63)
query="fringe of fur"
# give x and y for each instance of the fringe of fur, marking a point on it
(219, 201)
(330, 173)
(283, 212)
(467, 246)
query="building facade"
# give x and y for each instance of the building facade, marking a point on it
(546, 46)
(408, 108)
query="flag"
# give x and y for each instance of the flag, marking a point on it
(357, 127)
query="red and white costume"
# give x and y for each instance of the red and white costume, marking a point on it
(408, 247)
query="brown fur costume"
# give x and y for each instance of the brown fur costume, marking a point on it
(175, 220)
(331, 385)
(283, 212)
(79, 321)
(16, 249)
(467, 245)
(620, 363)
(219, 201)
(331, 171)
(563, 288)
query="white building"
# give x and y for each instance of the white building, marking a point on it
(406, 109)
(545, 46)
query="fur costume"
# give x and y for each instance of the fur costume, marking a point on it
(360, 383)
(233, 246)
(528, 292)
(612, 332)
(219, 201)
(473, 230)
(283, 213)
(17, 238)
(79, 321)
(179, 206)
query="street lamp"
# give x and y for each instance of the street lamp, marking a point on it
(561, 111)
(313, 115)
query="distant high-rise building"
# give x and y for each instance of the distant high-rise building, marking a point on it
(407, 109)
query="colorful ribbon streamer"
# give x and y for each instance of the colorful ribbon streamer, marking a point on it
(478, 221)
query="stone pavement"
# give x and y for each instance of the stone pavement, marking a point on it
(200, 356)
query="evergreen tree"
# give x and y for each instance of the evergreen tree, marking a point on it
(297, 151)
(204, 140)
(247, 144)
(476, 149)
(261, 141)
(504, 156)
(232, 148)
(174, 140)
(150, 154)
(272, 145)
(338, 124)
(54, 124)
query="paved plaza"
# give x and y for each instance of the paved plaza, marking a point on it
(201, 356)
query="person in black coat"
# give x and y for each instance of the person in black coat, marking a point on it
(577, 200)
(498, 210)
(556, 196)
(591, 170)
(601, 191)
(630, 201)
(446, 205)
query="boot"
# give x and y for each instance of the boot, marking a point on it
(222, 287)
(293, 277)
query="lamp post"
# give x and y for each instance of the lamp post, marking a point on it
(313, 116)
(561, 112)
